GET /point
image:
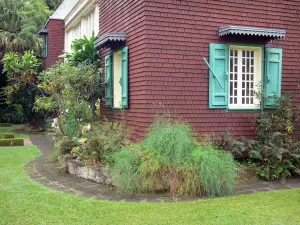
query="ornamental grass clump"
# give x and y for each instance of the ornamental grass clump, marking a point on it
(171, 160)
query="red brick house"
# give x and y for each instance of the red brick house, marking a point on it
(72, 20)
(155, 53)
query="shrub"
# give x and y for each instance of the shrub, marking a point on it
(83, 51)
(6, 135)
(73, 94)
(100, 141)
(170, 159)
(277, 153)
(66, 144)
(215, 170)
(172, 141)
(12, 142)
(240, 149)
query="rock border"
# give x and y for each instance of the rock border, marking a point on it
(98, 175)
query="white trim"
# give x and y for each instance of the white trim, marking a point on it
(82, 20)
(82, 9)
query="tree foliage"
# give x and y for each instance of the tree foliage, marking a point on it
(72, 92)
(21, 90)
(53, 4)
(20, 22)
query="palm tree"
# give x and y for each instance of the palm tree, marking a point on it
(20, 21)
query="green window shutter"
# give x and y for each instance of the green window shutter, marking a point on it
(108, 81)
(218, 76)
(273, 76)
(124, 78)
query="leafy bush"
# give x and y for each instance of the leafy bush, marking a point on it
(73, 93)
(275, 152)
(171, 160)
(281, 120)
(241, 149)
(83, 51)
(100, 141)
(22, 88)
(12, 142)
(66, 144)
(278, 154)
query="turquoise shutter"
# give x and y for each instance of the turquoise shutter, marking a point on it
(108, 81)
(124, 78)
(273, 76)
(218, 76)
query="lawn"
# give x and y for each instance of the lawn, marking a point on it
(11, 130)
(23, 201)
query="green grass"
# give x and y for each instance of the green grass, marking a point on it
(11, 130)
(23, 201)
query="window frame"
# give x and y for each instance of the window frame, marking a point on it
(113, 77)
(112, 53)
(262, 49)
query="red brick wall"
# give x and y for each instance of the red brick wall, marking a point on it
(128, 16)
(56, 41)
(171, 38)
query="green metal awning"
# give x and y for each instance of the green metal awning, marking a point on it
(252, 31)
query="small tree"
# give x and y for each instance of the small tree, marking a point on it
(72, 92)
(22, 88)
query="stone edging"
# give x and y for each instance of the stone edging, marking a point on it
(79, 169)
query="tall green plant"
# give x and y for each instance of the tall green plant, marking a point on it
(83, 51)
(170, 159)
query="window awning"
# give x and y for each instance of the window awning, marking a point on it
(43, 32)
(110, 38)
(252, 31)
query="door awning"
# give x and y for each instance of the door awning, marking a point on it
(252, 31)
(110, 38)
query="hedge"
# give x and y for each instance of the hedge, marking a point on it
(12, 142)
(5, 124)
(6, 135)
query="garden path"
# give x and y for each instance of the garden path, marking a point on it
(51, 175)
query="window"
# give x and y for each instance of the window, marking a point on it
(116, 79)
(46, 46)
(245, 77)
(238, 73)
